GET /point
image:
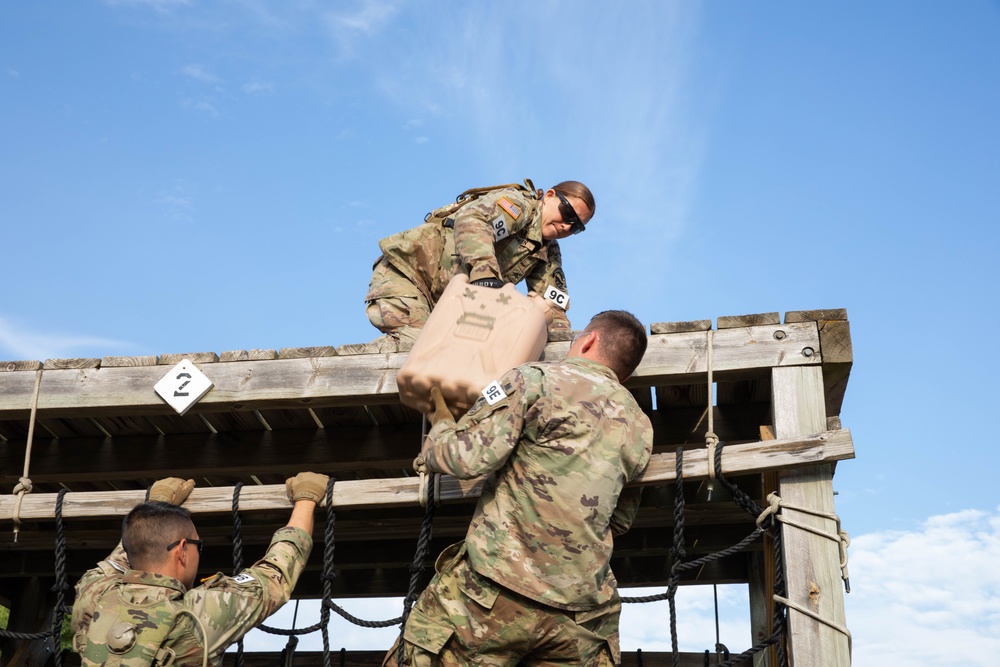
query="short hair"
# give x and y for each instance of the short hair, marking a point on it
(578, 190)
(623, 340)
(149, 528)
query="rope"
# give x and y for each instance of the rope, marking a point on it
(841, 537)
(237, 554)
(711, 440)
(677, 553)
(60, 585)
(23, 485)
(813, 615)
(423, 547)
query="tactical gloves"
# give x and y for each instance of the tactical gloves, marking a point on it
(307, 486)
(495, 283)
(173, 490)
(440, 411)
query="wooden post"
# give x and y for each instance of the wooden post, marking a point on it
(812, 562)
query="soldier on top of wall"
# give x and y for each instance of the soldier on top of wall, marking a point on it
(495, 235)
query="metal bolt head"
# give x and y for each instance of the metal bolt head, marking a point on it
(779, 335)
(808, 352)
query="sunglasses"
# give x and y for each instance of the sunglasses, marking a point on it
(569, 215)
(197, 543)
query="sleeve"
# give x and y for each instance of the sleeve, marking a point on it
(551, 273)
(482, 440)
(93, 583)
(229, 607)
(630, 497)
(625, 511)
(481, 223)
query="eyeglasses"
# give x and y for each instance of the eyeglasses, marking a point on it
(569, 215)
(197, 543)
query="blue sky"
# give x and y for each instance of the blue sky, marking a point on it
(183, 176)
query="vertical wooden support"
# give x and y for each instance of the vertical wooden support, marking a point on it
(812, 562)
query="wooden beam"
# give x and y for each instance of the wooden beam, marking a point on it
(812, 562)
(678, 358)
(398, 492)
(227, 453)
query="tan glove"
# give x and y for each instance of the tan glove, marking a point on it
(419, 466)
(173, 490)
(307, 486)
(440, 411)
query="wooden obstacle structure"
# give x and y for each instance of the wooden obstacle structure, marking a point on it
(104, 435)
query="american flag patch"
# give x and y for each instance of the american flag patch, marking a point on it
(510, 207)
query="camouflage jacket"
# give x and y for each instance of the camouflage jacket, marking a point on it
(560, 446)
(498, 235)
(228, 607)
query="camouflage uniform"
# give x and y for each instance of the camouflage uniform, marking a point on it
(561, 447)
(228, 607)
(498, 235)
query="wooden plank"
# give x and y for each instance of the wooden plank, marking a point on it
(758, 319)
(838, 357)
(122, 362)
(6, 366)
(815, 315)
(307, 352)
(204, 454)
(82, 362)
(812, 562)
(366, 379)
(193, 357)
(808, 450)
(248, 355)
(679, 327)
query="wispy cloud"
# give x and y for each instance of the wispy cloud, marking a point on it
(257, 87)
(20, 343)
(199, 73)
(176, 202)
(157, 5)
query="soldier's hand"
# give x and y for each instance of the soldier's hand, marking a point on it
(419, 466)
(307, 486)
(495, 283)
(440, 411)
(173, 490)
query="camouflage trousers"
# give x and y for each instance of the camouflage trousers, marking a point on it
(463, 618)
(402, 312)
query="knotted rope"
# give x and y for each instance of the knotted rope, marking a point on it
(23, 485)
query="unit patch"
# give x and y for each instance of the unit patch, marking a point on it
(512, 209)
(500, 230)
(243, 578)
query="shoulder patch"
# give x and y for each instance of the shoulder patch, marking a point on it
(494, 393)
(510, 208)
(243, 578)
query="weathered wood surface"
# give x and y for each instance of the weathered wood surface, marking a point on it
(346, 380)
(736, 459)
(812, 562)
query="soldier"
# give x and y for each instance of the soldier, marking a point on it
(140, 606)
(494, 235)
(531, 582)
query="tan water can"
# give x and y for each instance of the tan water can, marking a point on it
(472, 337)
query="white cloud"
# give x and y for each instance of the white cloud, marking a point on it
(925, 597)
(199, 73)
(257, 87)
(929, 596)
(18, 343)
